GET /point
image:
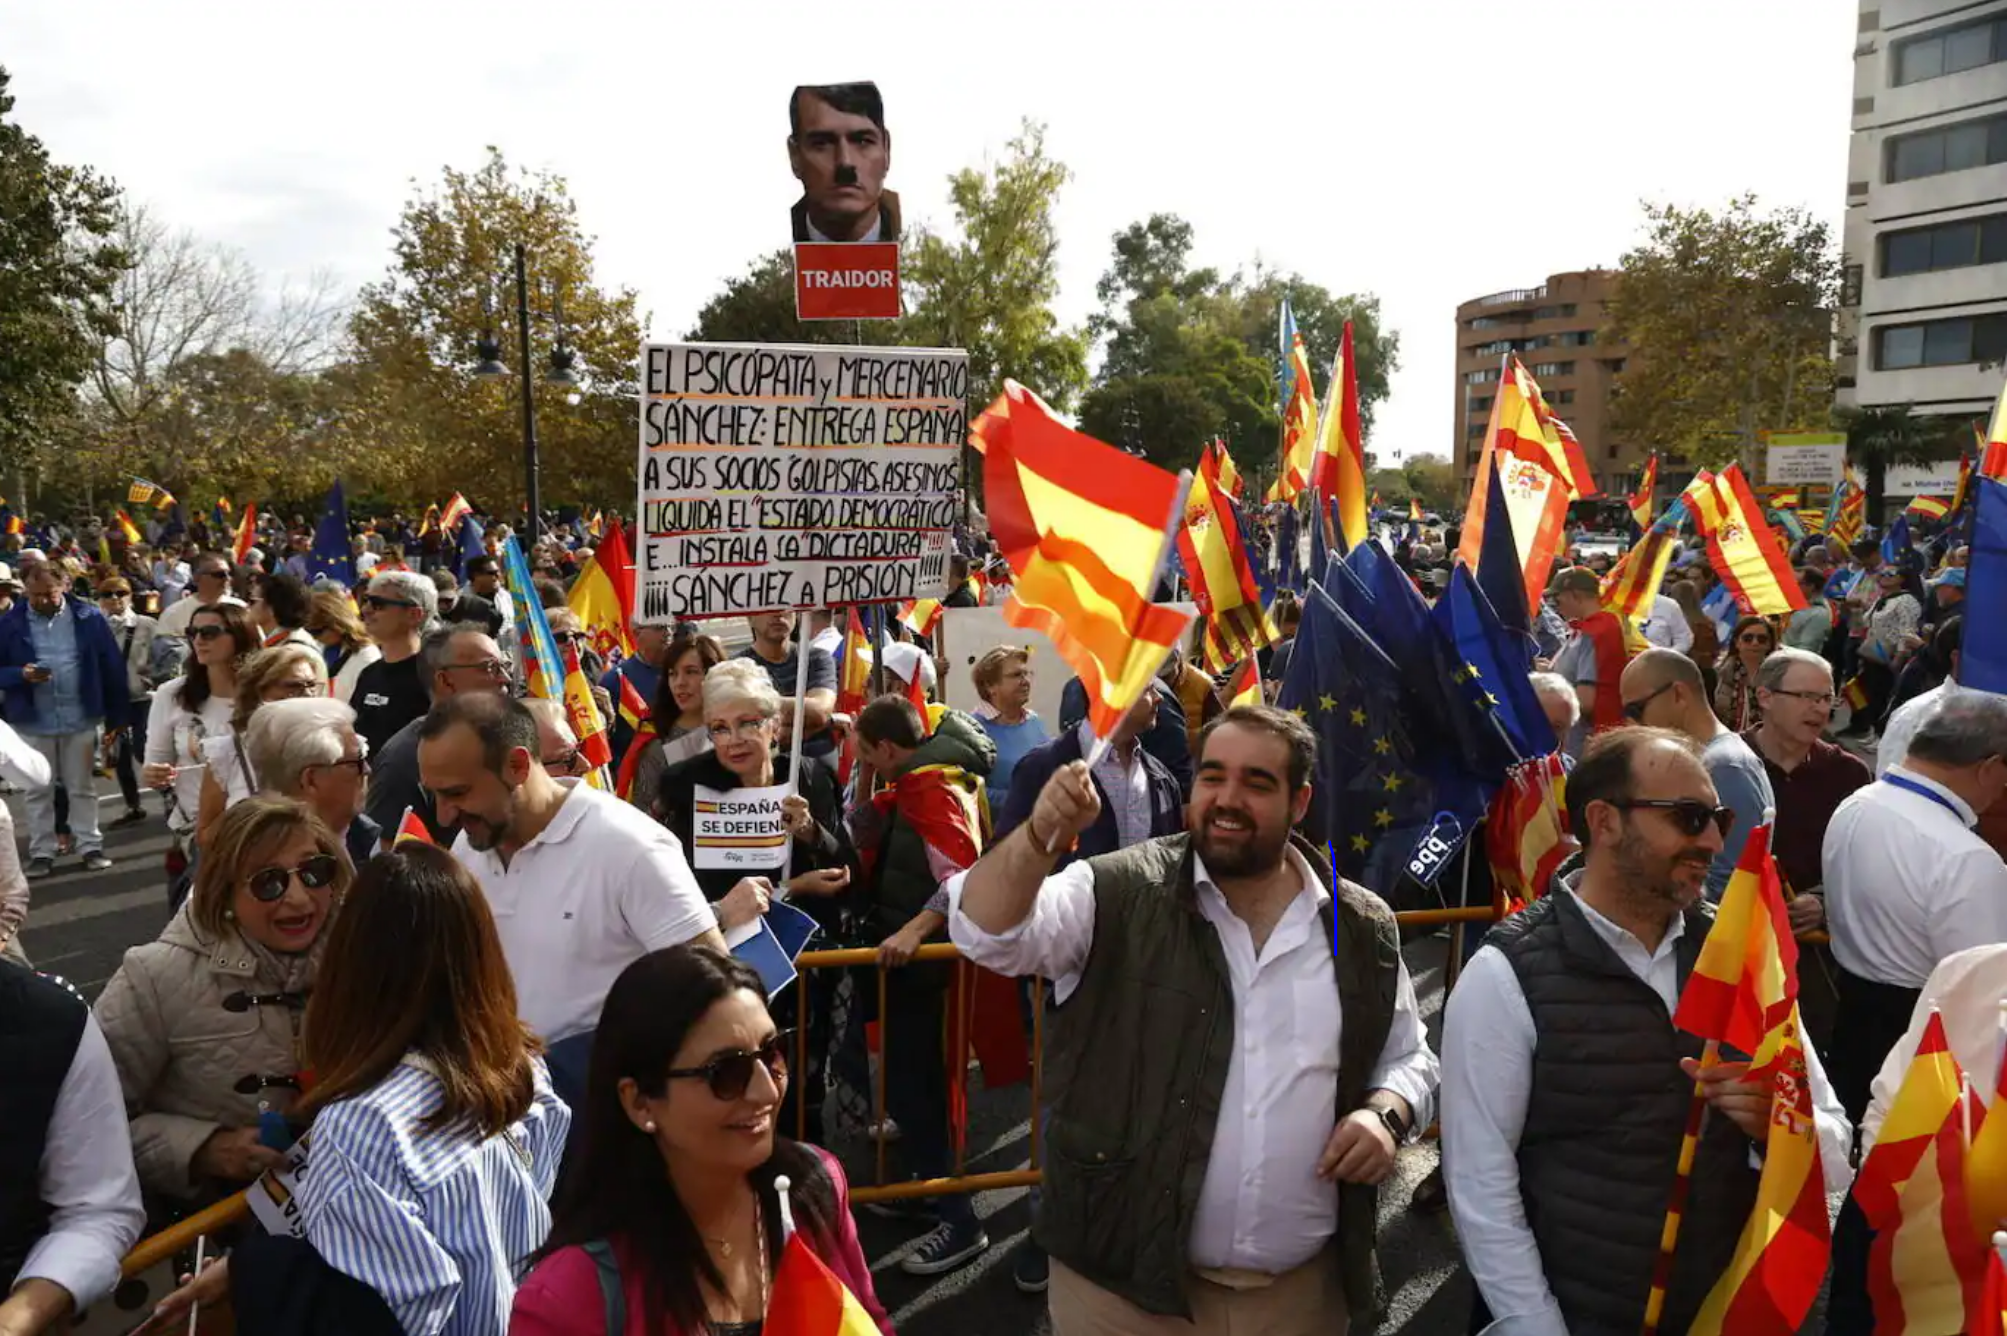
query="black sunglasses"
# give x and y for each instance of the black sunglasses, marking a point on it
(1688, 815)
(570, 637)
(379, 602)
(270, 884)
(1635, 710)
(207, 632)
(731, 1073)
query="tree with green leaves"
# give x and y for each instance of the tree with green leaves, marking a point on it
(59, 263)
(1729, 316)
(758, 307)
(418, 421)
(1888, 435)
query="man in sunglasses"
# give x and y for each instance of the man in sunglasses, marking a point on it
(455, 660)
(1663, 689)
(396, 608)
(1566, 1087)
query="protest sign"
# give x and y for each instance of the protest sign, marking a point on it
(846, 281)
(785, 478)
(274, 1198)
(738, 829)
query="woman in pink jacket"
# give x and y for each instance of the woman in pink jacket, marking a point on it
(667, 1222)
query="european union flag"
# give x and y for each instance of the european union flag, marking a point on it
(331, 556)
(1983, 662)
(1348, 591)
(1491, 672)
(1895, 543)
(1367, 791)
(473, 543)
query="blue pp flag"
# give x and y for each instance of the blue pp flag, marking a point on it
(331, 556)
(1982, 662)
(775, 940)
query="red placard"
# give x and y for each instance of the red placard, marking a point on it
(846, 280)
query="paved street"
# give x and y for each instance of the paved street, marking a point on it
(81, 924)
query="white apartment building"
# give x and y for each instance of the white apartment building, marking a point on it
(1924, 298)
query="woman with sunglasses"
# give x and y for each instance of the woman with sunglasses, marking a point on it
(204, 1022)
(678, 715)
(335, 626)
(1735, 699)
(192, 707)
(284, 672)
(672, 1184)
(435, 1137)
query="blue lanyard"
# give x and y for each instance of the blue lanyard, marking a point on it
(1905, 782)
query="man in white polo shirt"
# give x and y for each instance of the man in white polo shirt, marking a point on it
(581, 884)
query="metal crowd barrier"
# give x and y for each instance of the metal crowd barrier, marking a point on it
(181, 1236)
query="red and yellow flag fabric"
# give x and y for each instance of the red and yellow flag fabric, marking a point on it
(1743, 993)
(1339, 471)
(1640, 500)
(1926, 1270)
(1991, 1319)
(1299, 419)
(456, 510)
(1814, 520)
(1986, 1166)
(246, 536)
(1633, 583)
(1217, 467)
(127, 527)
(1086, 529)
(1526, 831)
(1853, 516)
(920, 615)
(1536, 502)
(808, 1300)
(1244, 687)
(603, 596)
(1747, 554)
(430, 520)
(583, 712)
(1222, 578)
(1930, 507)
(1522, 423)
(1993, 450)
(853, 668)
(1784, 498)
(412, 830)
(634, 711)
(1415, 509)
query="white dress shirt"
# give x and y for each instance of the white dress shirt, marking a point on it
(1127, 785)
(600, 887)
(1966, 990)
(88, 1179)
(1893, 749)
(1261, 1206)
(1667, 626)
(1488, 1041)
(1908, 883)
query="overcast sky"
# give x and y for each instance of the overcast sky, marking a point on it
(1429, 152)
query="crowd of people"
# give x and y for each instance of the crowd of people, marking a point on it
(536, 1092)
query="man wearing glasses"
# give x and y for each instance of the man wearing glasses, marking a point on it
(456, 660)
(211, 584)
(1664, 689)
(308, 750)
(1566, 1086)
(396, 608)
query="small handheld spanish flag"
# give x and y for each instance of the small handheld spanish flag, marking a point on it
(1244, 687)
(411, 830)
(807, 1298)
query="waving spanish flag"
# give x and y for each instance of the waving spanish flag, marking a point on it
(1222, 578)
(1086, 529)
(1522, 423)
(853, 668)
(1244, 687)
(127, 527)
(808, 1299)
(1339, 470)
(412, 830)
(246, 536)
(456, 510)
(1743, 993)
(1751, 560)
(1633, 583)
(603, 596)
(1993, 457)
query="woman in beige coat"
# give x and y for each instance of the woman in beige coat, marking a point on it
(204, 1022)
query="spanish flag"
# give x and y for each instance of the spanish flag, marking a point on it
(1633, 583)
(456, 510)
(603, 596)
(1415, 509)
(1930, 507)
(808, 1299)
(1244, 687)
(1535, 501)
(1993, 457)
(1217, 467)
(1743, 548)
(127, 527)
(1086, 529)
(247, 533)
(1299, 414)
(431, 520)
(1523, 424)
(853, 668)
(412, 830)
(1986, 1165)
(1339, 470)
(1783, 499)
(920, 615)
(633, 710)
(1743, 993)
(1640, 501)
(1222, 578)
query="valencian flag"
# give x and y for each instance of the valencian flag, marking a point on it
(456, 510)
(1812, 520)
(1086, 529)
(552, 673)
(412, 830)
(1298, 405)
(603, 596)
(1217, 467)
(1222, 578)
(1747, 554)
(1743, 994)
(246, 536)
(1339, 470)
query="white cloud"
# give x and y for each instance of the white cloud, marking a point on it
(1429, 152)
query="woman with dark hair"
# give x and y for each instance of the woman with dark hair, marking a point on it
(435, 1138)
(1735, 685)
(678, 712)
(195, 706)
(1892, 621)
(673, 1179)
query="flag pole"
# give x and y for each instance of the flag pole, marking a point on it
(1676, 1206)
(1172, 523)
(802, 650)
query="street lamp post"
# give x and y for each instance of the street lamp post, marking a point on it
(489, 350)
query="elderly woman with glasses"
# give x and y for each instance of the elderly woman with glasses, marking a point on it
(283, 672)
(204, 1022)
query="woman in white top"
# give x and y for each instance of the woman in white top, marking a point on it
(348, 648)
(22, 765)
(194, 706)
(283, 672)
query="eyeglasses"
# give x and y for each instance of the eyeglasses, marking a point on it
(377, 602)
(731, 1073)
(1635, 710)
(207, 632)
(570, 637)
(745, 728)
(563, 763)
(270, 884)
(1809, 697)
(295, 689)
(1753, 640)
(360, 764)
(495, 668)
(1688, 815)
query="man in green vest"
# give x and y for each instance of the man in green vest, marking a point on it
(1216, 1135)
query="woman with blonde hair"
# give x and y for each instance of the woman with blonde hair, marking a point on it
(204, 1022)
(1003, 680)
(287, 671)
(335, 624)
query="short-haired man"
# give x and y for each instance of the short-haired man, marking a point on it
(397, 607)
(308, 750)
(280, 608)
(580, 883)
(210, 583)
(455, 660)
(774, 650)
(1663, 689)
(484, 580)
(1909, 883)
(1594, 659)
(839, 149)
(643, 670)
(1225, 1089)
(1566, 1086)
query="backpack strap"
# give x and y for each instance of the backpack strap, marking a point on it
(612, 1298)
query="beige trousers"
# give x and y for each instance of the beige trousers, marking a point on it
(1309, 1301)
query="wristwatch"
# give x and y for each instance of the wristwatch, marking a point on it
(1396, 1125)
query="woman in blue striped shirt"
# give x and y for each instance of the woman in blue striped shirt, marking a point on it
(435, 1138)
